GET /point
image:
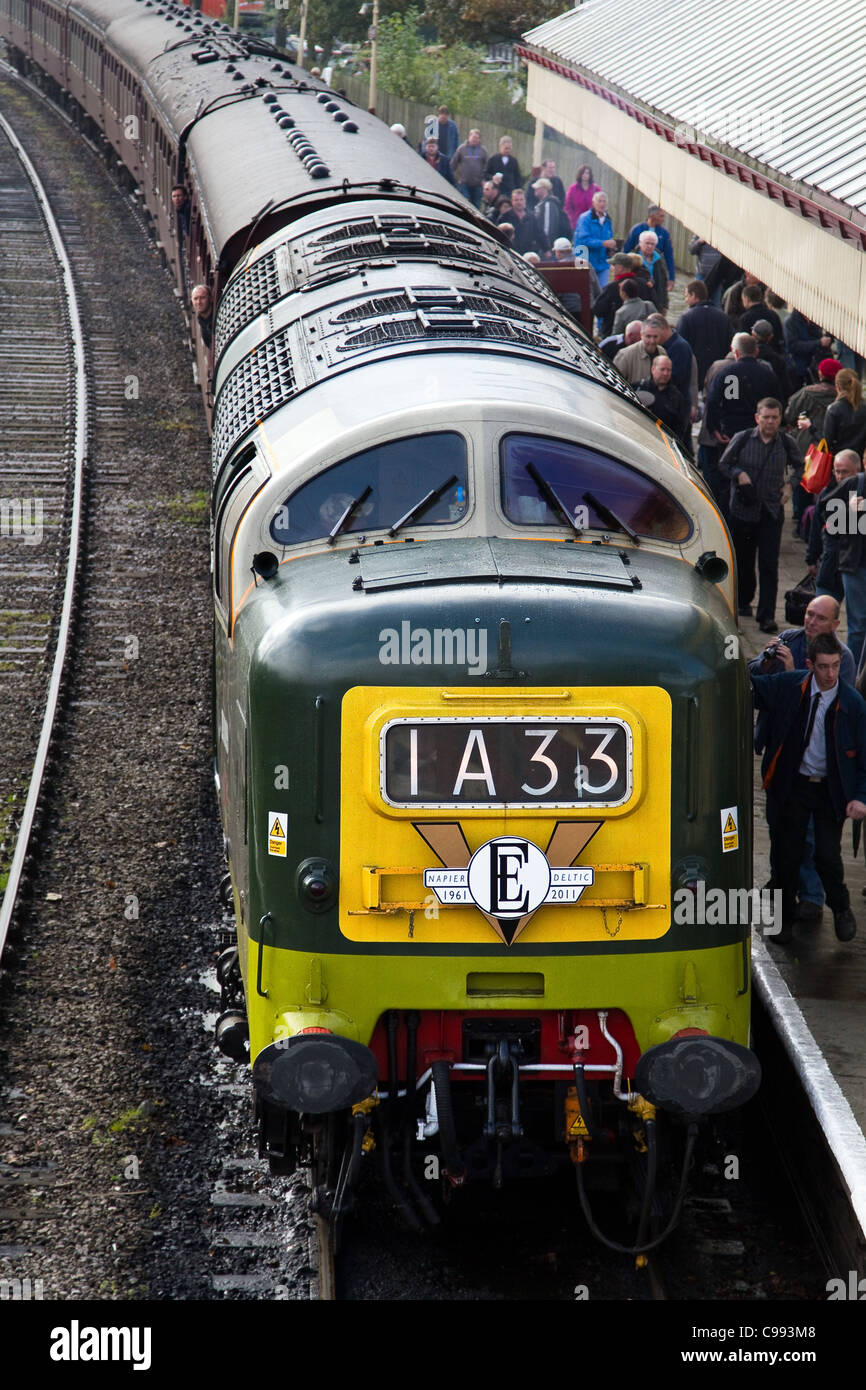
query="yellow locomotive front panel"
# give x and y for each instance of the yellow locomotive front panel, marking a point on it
(538, 815)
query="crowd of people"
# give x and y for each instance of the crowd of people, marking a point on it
(749, 389)
(539, 209)
(767, 386)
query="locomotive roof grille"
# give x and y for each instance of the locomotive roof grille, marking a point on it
(446, 323)
(379, 239)
(265, 380)
(601, 367)
(250, 294)
(393, 224)
(409, 245)
(434, 297)
(258, 385)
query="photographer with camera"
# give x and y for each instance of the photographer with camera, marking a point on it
(788, 653)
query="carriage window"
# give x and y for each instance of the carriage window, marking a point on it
(596, 490)
(419, 482)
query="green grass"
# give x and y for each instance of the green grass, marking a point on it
(190, 508)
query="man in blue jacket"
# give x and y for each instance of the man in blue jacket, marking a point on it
(814, 766)
(594, 230)
(655, 222)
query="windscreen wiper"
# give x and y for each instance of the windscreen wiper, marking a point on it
(422, 506)
(608, 514)
(552, 497)
(350, 511)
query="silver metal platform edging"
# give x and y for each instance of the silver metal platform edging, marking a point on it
(831, 1107)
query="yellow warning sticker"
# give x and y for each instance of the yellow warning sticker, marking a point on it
(577, 1128)
(278, 825)
(730, 828)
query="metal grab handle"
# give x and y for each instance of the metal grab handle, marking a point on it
(262, 993)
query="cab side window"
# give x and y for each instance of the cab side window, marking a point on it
(384, 484)
(595, 488)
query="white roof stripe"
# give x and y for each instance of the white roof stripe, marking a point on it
(783, 86)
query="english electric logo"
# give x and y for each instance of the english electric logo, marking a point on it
(508, 878)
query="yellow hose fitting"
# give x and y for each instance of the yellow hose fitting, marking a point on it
(644, 1109)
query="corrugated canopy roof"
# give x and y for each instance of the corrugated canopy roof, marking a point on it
(784, 85)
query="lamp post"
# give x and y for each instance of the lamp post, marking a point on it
(302, 36)
(373, 36)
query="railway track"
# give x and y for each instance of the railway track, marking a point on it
(202, 1216)
(44, 432)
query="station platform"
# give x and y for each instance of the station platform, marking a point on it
(813, 990)
(826, 976)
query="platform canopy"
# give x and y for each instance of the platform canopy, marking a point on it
(746, 121)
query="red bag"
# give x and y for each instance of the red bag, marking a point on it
(819, 465)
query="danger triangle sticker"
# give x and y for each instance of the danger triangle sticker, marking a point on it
(730, 829)
(278, 822)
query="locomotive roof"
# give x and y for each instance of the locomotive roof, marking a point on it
(258, 129)
(247, 150)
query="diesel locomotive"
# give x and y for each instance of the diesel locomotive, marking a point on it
(480, 716)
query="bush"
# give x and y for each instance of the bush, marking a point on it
(445, 75)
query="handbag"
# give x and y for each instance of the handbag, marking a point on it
(819, 462)
(797, 600)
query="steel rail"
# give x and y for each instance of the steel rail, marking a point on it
(326, 1273)
(79, 447)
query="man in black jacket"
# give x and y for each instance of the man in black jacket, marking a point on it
(822, 552)
(733, 397)
(755, 308)
(762, 332)
(706, 329)
(814, 766)
(557, 188)
(505, 164)
(804, 342)
(667, 403)
(757, 461)
(528, 235)
(846, 519)
(547, 211)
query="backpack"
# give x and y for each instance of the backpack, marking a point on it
(797, 600)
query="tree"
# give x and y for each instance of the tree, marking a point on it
(489, 21)
(449, 74)
(332, 21)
